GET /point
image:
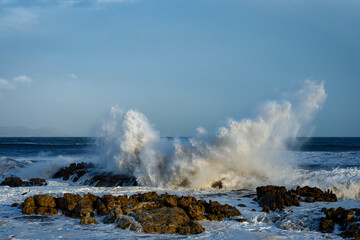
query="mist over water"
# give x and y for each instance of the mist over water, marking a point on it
(241, 154)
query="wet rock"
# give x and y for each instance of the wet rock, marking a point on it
(326, 225)
(167, 220)
(147, 211)
(314, 194)
(36, 182)
(114, 215)
(74, 170)
(221, 211)
(241, 219)
(275, 197)
(127, 223)
(266, 209)
(18, 182)
(241, 205)
(40, 204)
(110, 180)
(45, 201)
(12, 182)
(141, 205)
(75, 206)
(88, 220)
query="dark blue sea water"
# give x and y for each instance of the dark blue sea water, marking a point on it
(50, 146)
(33, 146)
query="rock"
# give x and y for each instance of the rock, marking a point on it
(266, 209)
(14, 205)
(75, 170)
(167, 220)
(127, 223)
(195, 210)
(141, 205)
(241, 219)
(40, 204)
(18, 182)
(326, 225)
(88, 220)
(37, 182)
(222, 211)
(110, 180)
(45, 201)
(275, 197)
(241, 205)
(114, 215)
(147, 211)
(314, 194)
(12, 182)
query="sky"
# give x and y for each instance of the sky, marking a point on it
(182, 63)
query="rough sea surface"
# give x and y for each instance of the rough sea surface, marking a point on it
(327, 163)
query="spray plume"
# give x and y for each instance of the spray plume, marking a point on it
(242, 154)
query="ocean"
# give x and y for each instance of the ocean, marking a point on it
(327, 163)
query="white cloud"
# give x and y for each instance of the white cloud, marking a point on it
(5, 84)
(17, 18)
(23, 79)
(73, 76)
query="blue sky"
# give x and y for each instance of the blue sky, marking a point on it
(182, 63)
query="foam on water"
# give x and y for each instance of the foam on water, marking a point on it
(242, 154)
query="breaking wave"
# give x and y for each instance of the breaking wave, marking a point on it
(242, 154)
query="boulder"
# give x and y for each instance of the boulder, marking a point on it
(114, 215)
(12, 182)
(74, 171)
(127, 223)
(166, 220)
(275, 197)
(88, 220)
(18, 182)
(40, 204)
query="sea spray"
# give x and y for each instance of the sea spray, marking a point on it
(242, 154)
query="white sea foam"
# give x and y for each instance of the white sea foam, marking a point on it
(242, 154)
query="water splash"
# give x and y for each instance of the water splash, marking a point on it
(242, 154)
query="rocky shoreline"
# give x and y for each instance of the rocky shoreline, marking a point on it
(147, 212)
(171, 214)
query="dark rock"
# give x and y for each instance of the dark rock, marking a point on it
(18, 182)
(326, 225)
(275, 197)
(241, 219)
(314, 194)
(36, 182)
(266, 209)
(217, 184)
(75, 170)
(12, 182)
(14, 205)
(241, 205)
(110, 180)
